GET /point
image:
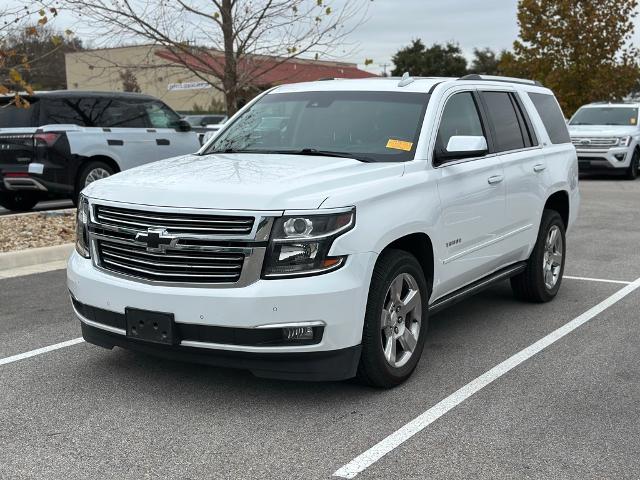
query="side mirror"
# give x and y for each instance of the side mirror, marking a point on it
(183, 126)
(463, 146)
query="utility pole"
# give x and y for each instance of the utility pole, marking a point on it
(384, 67)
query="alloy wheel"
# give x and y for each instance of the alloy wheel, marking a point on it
(552, 259)
(401, 320)
(96, 174)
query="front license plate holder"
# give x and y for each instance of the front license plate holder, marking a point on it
(148, 326)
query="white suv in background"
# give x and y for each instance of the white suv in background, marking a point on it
(606, 137)
(316, 234)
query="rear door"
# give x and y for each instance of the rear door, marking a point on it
(517, 147)
(472, 195)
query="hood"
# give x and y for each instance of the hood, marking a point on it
(239, 181)
(602, 130)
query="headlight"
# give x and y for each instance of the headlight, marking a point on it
(300, 244)
(624, 141)
(82, 228)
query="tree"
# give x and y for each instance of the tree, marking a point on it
(226, 42)
(580, 49)
(437, 60)
(46, 48)
(486, 62)
(129, 81)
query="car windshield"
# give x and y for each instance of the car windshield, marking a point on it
(367, 126)
(606, 116)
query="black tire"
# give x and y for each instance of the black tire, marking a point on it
(634, 168)
(373, 369)
(86, 171)
(19, 201)
(530, 285)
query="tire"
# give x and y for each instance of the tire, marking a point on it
(409, 321)
(19, 201)
(541, 279)
(634, 168)
(92, 171)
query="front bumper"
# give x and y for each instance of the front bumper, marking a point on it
(332, 365)
(604, 160)
(336, 300)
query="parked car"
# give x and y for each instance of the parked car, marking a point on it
(315, 235)
(607, 138)
(68, 139)
(206, 125)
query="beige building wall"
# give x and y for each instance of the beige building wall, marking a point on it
(178, 87)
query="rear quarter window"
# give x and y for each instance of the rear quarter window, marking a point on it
(14, 117)
(551, 116)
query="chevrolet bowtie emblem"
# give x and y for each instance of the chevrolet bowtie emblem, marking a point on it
(157, 240)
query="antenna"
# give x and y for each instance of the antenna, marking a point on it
(406, 80)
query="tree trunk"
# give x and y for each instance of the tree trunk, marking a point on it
(230, 80)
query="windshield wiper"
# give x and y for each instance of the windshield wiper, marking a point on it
(323, 153)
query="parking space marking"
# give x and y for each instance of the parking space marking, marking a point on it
(603, 280)
(375, 453)
(40, 351)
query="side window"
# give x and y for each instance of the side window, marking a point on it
(124, 114)
(161, 116)
(460, 117)
(503, 116)
(551, 116)
(65, 110)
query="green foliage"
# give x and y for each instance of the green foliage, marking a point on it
(580, 49)
(486, 62)
(437, 60)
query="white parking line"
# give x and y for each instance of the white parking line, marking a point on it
(375, 453)
(40, 351)
(603, 280)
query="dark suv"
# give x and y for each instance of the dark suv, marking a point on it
(68, 139)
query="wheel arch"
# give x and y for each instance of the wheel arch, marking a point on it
(419, 245)
(559, 201)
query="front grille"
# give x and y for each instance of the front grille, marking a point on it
(173, 266)
(175, 223)
(596, 143)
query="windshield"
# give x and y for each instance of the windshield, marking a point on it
(627, 116)
(368, 126)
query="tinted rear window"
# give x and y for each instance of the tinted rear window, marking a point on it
(551, 116)
(14, 117)
(505, 121)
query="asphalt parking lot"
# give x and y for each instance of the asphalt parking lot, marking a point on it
(570, 411)
(44, 205)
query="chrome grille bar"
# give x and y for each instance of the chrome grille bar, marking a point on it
(173, 222)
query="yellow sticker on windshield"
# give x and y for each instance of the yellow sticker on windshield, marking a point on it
(399, 145)
(633, 120)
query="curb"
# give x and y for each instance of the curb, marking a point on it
(35, 256)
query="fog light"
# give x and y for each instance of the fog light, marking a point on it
(620, 157)
(297, 333)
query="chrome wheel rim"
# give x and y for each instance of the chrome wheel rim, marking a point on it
(401, 320)
(553, 253)
(96, 174)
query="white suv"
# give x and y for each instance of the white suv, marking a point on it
(607, 138)
(316, 234)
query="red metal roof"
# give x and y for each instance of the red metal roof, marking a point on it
(268, 71)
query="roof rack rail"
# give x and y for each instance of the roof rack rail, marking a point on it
(495, 78)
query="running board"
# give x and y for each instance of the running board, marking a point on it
(475, 287)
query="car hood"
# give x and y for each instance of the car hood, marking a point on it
(601, 130)
(239, 181)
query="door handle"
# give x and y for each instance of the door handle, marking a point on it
(495, 179)
(539, 168)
